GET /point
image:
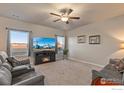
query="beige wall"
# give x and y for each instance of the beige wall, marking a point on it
(37, 30)
(112, 33)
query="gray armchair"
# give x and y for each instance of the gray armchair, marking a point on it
(30, 78)
(16, 67)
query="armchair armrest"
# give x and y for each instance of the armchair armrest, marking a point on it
(22, 67)
(18, 70)
(24, 62)
(36, 80)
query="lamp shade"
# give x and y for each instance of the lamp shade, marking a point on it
(122, 45)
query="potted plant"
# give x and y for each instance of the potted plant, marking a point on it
(65, 53)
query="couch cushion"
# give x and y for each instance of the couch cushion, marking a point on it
(3, 56)
(5, 76)
(24, 77)
(7, 65)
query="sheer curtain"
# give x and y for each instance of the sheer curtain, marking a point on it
(60, 45)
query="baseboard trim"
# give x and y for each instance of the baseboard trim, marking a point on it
(78, 60)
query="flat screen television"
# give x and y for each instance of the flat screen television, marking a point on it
(43, 43)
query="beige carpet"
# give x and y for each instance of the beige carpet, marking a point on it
(66, 72)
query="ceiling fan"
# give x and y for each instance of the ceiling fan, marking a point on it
(64, 16)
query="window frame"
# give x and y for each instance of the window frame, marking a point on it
(57, 42)
(19, 30)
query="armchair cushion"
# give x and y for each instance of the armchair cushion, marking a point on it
(19, 70)
(35, 80)
(7, 65)
(30, 78)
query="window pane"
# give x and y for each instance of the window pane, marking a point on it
(19, 43)
(60, 43)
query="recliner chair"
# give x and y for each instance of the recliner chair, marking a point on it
(30, 78)
(19, 68)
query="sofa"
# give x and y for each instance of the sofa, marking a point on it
(22, 73)
(16, 67)
(30, 78)
(111, 74)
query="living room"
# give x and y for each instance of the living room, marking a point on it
(60, 52)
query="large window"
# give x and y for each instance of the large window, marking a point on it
(18, 43)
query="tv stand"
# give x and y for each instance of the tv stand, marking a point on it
(44, 57)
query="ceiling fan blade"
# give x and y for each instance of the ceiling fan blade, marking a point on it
(63, 11)
(67, 22)
(55, 14)
(56, 20)
(74, 17)
(69, 11)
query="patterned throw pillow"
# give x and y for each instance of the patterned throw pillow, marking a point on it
(114, 61)
(118, 64)
(121, 65)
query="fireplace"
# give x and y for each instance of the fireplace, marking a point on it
(44, 57)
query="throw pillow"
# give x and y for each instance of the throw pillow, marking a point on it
(114, 61)
(121, 65)
(12, 61)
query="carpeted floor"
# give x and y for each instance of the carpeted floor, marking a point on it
(66, 72)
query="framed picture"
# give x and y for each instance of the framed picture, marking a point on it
(94, 39)
(81, 39)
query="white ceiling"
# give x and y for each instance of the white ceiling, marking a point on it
(39, 13)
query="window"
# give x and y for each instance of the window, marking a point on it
(18, 43)
(60, 44)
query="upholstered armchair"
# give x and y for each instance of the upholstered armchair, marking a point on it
(29, 78)
(16, 67)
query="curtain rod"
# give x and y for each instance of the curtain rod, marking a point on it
(8, 28)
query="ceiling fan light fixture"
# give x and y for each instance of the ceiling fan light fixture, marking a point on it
(64, 16)
(64, 19)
